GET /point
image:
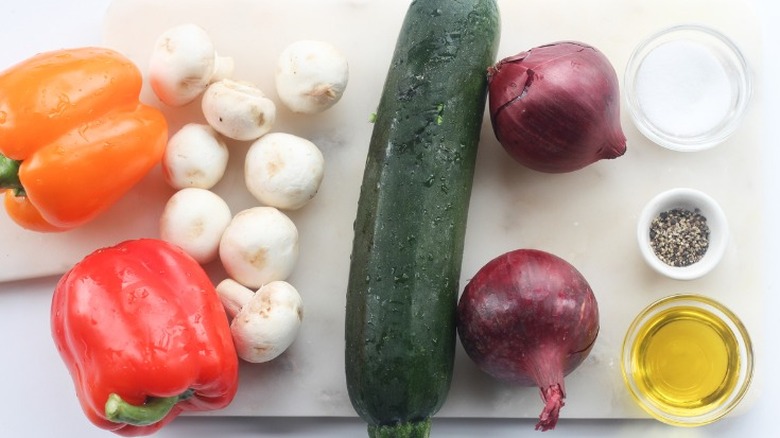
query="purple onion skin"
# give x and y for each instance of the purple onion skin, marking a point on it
(529, 318)
(556, 108)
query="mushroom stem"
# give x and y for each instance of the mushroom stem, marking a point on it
(224, 67)
(234, 296)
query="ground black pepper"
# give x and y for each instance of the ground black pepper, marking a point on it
(680, 237)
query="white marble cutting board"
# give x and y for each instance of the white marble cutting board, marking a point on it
(587, 217)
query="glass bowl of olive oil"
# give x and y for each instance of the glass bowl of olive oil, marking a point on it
(687, 360)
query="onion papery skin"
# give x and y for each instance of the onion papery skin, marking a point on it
(556, 108)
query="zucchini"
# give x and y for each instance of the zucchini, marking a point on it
(411, 217)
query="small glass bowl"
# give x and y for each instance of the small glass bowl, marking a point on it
(658, 320)
(687, 87)
(692, 200)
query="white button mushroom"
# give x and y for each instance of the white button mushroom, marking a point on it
(259, 246)
(238, 109)
(195, 219)
(195, 156)
(264, 323)
(283, 170)
(311, 76)
(183, 63)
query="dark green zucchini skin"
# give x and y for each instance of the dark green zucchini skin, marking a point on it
(411, 218)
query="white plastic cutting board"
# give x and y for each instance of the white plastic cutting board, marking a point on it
(587, 217)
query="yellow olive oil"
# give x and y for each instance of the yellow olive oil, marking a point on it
(685, 360)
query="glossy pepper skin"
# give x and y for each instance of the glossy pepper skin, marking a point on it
(74, 136)
(144, 336)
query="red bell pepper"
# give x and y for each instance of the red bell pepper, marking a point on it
(144, 336)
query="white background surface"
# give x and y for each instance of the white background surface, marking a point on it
(44, 405)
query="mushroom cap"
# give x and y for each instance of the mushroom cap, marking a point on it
(269, 323)
(183, 63)
(311, 76)
(283, 170)
(238, 109)
(259, 246)
(195, 219)
(195, 156)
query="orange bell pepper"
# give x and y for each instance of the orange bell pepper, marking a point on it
(74, 136)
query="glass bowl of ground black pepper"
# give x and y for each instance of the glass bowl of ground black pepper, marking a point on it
(682, 233)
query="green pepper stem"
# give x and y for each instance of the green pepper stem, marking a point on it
(9, 175)
(412, 429)
(152, 411)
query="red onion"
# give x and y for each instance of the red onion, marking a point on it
(530, 318)
(556, 108)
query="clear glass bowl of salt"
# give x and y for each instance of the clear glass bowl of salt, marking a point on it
(687, 87)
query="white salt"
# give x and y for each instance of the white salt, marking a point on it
(683, 89)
